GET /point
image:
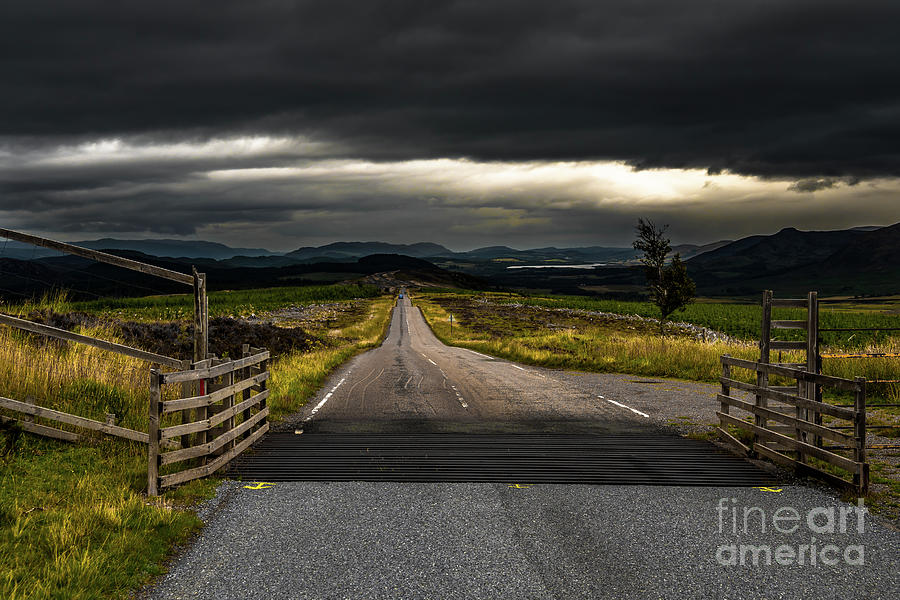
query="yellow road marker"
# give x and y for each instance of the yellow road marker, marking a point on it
(259, 485)
(519, 486)
(768, 489)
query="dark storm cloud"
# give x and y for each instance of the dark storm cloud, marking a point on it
(800, 89)
(813, 185)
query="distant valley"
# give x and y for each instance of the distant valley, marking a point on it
(860, 261)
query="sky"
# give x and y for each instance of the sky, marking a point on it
(282, 124)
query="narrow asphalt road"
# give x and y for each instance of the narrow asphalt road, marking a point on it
(365, 539)
(414, 383)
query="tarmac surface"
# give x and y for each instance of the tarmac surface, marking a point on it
(509, 539)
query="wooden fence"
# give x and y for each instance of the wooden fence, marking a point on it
(62, 334)
(227, 415)
(796, 419)
(29, 410)
(214, 426)
(811, 346)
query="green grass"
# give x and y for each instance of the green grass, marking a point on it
(886, 496)
(742, 321)
(235, 303)
(75, 378)
(581, 345)
(74, 523)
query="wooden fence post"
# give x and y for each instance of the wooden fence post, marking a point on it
(263, 368)
(861, 477)
(205, 315)
(227, 404)
(153, 431)
(726, 389)
(186, 413)
(246, 373)
(812, 361)
(203, 412)
(762, 376)
(201, 317)
(803, 389)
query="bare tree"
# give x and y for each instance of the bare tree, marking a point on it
(669, 285)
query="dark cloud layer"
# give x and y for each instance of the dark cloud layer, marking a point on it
(800, 89)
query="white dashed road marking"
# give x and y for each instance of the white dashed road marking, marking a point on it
(325, 399)
(459, 396)
(619, 404)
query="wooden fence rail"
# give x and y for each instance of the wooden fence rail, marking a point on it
(225, 417)
(62, 334)
(197, 281)
(33, 410)
(797, 421)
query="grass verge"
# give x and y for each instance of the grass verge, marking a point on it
(574, 343)
(75, 524)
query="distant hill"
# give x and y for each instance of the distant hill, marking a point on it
(551, 254)
(361, 249)
(88, 280)
(855, 261)
(391, 270)
(343, 252)
(353, 250)
(691, 250)
(162, 248)
(175, 248)
(859, 260)
(787, 249)
(878, 251)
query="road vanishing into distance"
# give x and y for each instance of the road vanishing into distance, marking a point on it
(414, 383)
(427, 471)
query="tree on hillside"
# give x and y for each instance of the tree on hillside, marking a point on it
(669, 285)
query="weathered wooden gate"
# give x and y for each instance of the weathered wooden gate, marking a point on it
(791, 431)
(214, 425)
(227, 415)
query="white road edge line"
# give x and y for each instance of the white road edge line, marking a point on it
(325, 399)
(432, 362)
(517, 367)
(480, 354)
(634, 410)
